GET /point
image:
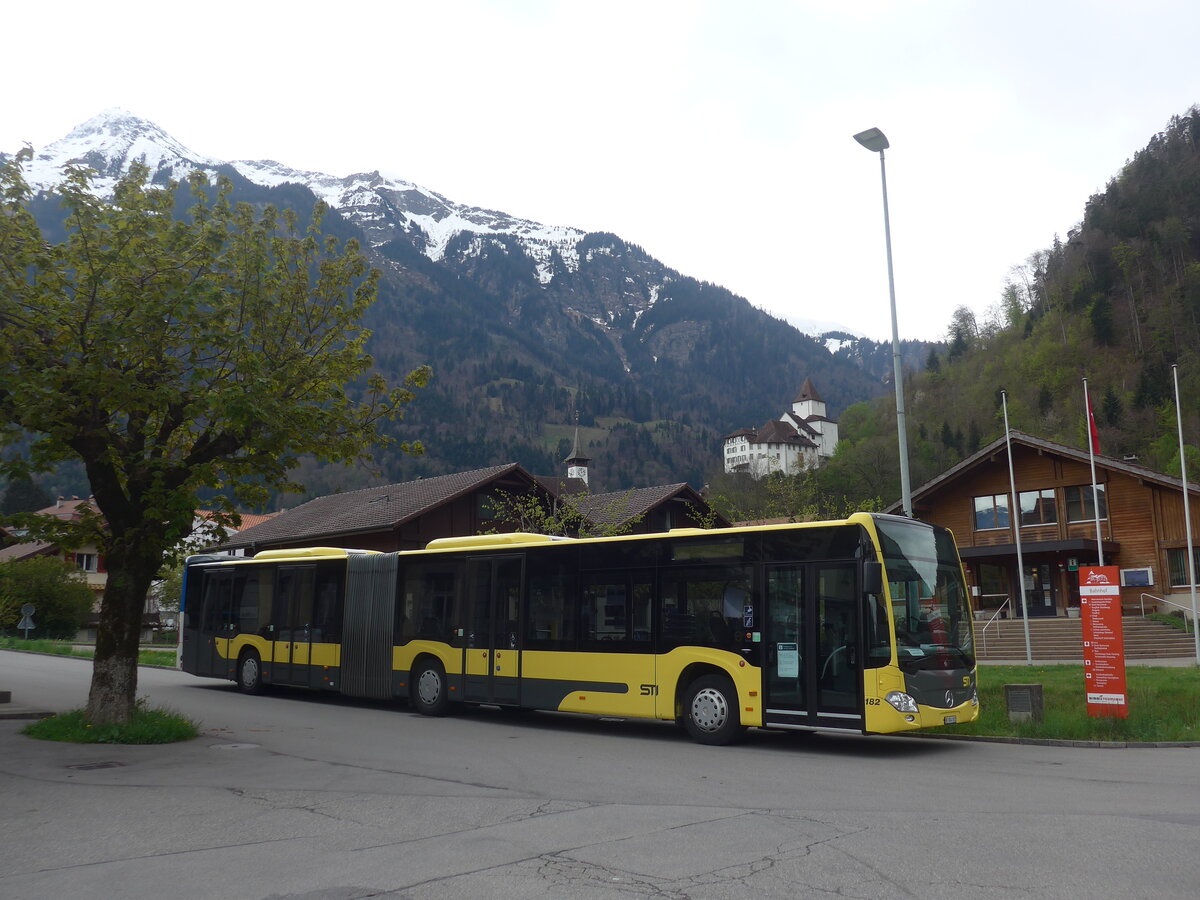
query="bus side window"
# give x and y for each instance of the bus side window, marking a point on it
(876, 640)
(604, 611)
(640, 613)
(549, 620)
(704, 606)
(551, 594)
(430, 602)
(265, 578)
(245, 600)
(327, 604)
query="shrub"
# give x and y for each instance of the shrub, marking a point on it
(56, 589)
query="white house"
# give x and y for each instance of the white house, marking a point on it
(798, 440)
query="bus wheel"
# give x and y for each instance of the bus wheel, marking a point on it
(429, 694)
(249, 673)
(710, 710)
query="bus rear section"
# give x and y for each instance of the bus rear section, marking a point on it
(310, 617)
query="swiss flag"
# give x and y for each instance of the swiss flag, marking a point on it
(1092, 432)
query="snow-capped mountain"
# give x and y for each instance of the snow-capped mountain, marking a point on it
(109, 143)
(382, 206)
(526, 325)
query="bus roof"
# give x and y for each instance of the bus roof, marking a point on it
(309, 553)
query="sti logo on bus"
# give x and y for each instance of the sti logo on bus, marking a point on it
(649, 690)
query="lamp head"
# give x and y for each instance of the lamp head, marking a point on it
(873, 139)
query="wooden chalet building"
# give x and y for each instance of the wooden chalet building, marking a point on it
(408, 515)
(1142, 527)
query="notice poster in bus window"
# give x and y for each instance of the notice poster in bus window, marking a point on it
(1103, 641)
(788, 665)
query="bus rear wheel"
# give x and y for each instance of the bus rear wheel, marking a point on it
(710, 710)
(249, 673)
(429, 690)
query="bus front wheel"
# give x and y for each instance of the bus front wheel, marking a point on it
(249, 673)
(429, 691)
(710, 710)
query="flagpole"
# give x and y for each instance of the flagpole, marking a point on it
(1016, 527)
(1091, 422)
(1187, 515)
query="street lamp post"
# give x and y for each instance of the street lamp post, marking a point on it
(875, 141)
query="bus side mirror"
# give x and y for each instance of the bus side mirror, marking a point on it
(872, 578)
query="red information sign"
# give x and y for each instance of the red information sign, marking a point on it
(1103, 641)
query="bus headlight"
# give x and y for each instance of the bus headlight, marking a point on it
(901, 701)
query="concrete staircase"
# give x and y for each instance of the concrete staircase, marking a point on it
(1062, 639)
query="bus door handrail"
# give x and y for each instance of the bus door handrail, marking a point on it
(983, 632)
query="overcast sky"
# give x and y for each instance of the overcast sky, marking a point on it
(718, 136)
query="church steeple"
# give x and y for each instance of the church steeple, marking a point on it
(577, 463)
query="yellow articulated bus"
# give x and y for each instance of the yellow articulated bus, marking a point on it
(856, 625)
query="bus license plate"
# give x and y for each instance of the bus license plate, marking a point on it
(950, 720)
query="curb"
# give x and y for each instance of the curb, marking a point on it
(1054, 742)
(15, 711)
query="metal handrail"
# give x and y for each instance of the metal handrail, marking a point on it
(1186, 609)
(983, 633)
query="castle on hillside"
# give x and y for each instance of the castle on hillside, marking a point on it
(796, 441)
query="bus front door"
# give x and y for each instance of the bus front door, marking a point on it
(492, 657)
(812, 675)
(293, 615)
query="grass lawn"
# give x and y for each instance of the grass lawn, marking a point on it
(65, 648)
(1164, 705)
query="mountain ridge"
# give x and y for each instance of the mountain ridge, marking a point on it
(530, 328)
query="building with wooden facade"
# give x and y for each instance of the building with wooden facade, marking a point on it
(1141, 519)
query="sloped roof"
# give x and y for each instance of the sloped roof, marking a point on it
(26, 550)
(619, 507)
(249, 520)
(561, 485)
(801, 425)
(1040, 444)
(808, 392)
(68, 510)
(369, 509)
(776, 432)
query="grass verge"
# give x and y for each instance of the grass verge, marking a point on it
(65, 648)
(1175, 620)
(1162, 705)
(147, 726)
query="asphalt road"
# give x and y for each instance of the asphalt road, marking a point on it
(296, 795)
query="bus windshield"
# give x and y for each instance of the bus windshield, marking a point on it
(929, 598)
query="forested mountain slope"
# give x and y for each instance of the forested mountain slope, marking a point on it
(1117, 302)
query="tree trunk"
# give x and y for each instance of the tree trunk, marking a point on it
(114, 671)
